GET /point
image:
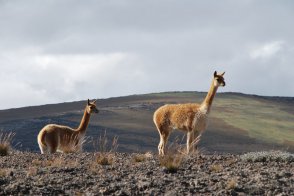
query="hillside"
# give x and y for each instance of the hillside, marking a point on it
(238, 123)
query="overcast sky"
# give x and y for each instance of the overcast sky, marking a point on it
(57, 51)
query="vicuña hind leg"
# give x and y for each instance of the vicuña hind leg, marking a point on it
(164, 134)
(43, 148)
(162, 144)
(197, 137)
(51, 143)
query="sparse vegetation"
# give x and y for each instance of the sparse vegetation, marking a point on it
(104, 158)
(32, 171)
(171, 162)
(231, 184)
(106, 151)
(137, 158)
(266, 156)
(5, 143)
(74, 143)
(103, 146)
(216, 168)
(174, 157)
(55, 162)
(36, 162)
(3, 172)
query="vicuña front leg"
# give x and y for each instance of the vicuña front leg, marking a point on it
(43, 149)
(196, 140)
(190, 139)
(193, 138)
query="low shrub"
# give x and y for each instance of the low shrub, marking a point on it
(104, 159)
(137, 158)
(265, 156)
(3, 172)
(105, 156)
(216, 168)
(5, 143)
(102, 145)
(231, 184)
(175, 154)
(74, 143)
(171, 162)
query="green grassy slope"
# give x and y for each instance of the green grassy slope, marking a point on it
(262, 119)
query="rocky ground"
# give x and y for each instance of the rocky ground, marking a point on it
(25, 173)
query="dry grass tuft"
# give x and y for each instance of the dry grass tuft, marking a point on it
(3, 172)
(102, 144)
(179, 146)
(5, 143)
(104, 159)
(61, 161)
(216, 168)
(231, 184)
(58, 162)
(105, 156)
(149, 155)
(74, 143)
(138, 158)
(171, 162)
(174, 157)
(36, 162)
(77, 193)
(32, 171)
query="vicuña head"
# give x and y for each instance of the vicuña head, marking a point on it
(189, 117)
(61, 138)
(219, 79)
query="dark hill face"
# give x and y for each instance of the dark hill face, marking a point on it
(238, 123)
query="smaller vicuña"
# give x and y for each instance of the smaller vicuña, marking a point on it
(53, 138)
(190, 117)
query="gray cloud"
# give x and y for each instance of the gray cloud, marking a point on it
(57, 51)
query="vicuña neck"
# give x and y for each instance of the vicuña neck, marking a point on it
(84, 122)
(209, 97)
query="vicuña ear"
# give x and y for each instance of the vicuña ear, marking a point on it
(94, 101)
(88, 102)
(215, 74)
(223, 74)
